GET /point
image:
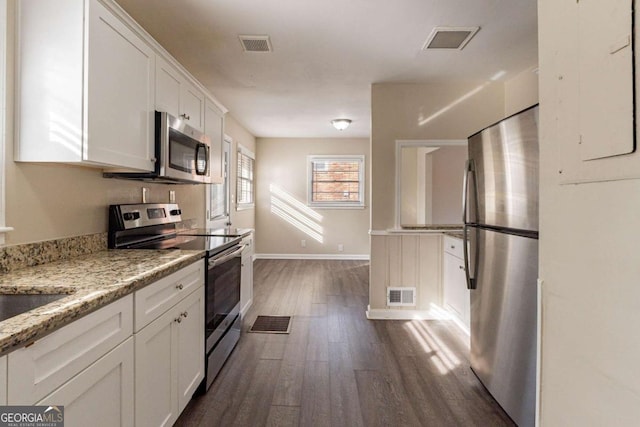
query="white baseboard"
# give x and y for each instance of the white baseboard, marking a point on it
(363, 257)
(433, 313)
(246, 308)
(394, 314)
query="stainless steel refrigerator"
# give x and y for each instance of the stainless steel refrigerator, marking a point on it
(501, 256)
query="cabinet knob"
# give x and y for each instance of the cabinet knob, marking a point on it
(185, 314)
(453, 247)
(179, 287)
(461, 267)
(177, 319)
(185, 116)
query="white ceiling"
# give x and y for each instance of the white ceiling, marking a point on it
(327, 53)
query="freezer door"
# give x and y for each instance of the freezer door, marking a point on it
(503, 319)
(503, 190)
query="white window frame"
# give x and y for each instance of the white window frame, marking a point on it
(3, 114)
(360, 204)
(244, 151)
(223, 220)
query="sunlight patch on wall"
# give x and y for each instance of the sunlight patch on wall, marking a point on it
(497, 76)
(296, 213)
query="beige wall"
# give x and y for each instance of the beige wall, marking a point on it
(240, 136)
(282, 173)
(589, 236)
(448, 162)
(422, 111)
(521, 91)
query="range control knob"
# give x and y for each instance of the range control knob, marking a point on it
(175, 212)
(131, 216)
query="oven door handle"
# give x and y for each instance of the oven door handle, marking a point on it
(225, 256)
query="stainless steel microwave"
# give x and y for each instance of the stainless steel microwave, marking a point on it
(182, 154)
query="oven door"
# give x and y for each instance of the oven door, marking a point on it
(184, 150)
(222, 305)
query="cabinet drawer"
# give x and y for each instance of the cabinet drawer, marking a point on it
(155, 299)
(453, 246)
(37, 370)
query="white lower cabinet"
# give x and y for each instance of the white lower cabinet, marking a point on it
(3, 380)
(169, 363)
(102, 394)
(456, 298)
(246, 275)
(104, 374)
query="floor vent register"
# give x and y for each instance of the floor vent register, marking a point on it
(272, 325)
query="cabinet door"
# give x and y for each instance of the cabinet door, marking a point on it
(192, 109)
(168, 86)
(156, 373)
(246, 285)
(102, 394)
(214, 128)
(456, 294)
(119, 94)
(3, 380)
(190, 344)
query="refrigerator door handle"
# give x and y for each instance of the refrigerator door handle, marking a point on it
(469, 167)
(471, 281)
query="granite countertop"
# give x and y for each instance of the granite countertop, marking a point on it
(454, 230)
(92, 281)
(458, 234)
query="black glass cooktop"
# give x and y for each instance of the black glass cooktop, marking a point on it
(211, 244)
(228, 232)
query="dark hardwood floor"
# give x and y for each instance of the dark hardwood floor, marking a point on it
(336, 368)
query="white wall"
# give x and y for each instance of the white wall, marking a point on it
(589, 236)
(282, 175)
(521, 91)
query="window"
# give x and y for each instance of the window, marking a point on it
(336, 181)
(245, 195)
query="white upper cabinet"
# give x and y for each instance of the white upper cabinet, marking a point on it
(176, 95)
(85, 86)
(214, 129)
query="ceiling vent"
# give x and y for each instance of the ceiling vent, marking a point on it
(449, 37)
(256, 43)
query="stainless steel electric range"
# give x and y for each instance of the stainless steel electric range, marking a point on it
(156, 226)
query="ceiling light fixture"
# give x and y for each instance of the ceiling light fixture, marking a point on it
(341, 124)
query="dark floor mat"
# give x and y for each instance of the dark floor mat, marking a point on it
(272, 325)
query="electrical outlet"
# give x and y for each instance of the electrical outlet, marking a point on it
(172, 196)
(340, 247)
(303, 243)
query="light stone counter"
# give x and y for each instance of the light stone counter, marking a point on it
(91, 280)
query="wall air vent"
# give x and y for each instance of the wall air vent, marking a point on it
(401, 296)
(255, 43)
(449, 37)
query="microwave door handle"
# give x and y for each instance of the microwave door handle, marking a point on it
(199, 147)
